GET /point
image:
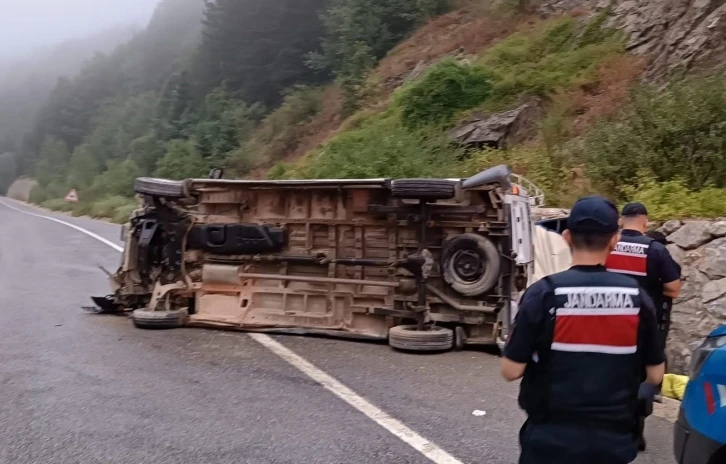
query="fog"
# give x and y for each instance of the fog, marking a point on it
(29, 25)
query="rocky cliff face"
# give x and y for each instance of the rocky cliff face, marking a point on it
(671, 33)
(700, 248)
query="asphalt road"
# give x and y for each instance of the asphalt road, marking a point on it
(80, 388)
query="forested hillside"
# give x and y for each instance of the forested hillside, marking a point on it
(357, 88)
(25, 84)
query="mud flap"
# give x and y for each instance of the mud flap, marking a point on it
(104, 305)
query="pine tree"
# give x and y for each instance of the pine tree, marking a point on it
(257, 48)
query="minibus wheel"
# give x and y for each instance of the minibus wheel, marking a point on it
(470, 264)
(410, 338)
(423, 189)
(144, 319)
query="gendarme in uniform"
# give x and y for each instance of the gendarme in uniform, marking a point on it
(652, 266)
(649, 262)
(586, 336)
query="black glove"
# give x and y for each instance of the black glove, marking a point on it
(647, 391)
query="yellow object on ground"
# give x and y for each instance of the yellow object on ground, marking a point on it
(674, 386)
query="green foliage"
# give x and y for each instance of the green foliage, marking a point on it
(182, 161)
(257, 48)
(549, 171)
(141, 65)
(446, 89)
(38, 194)
(118, 179)
(80, 209)
(673, 199)
(175, 103)
(279, 171)
(558, 54)
(83, 168)
(119, 123)
(354, 28)
(146, 151)
(117, 209)
(26, 84)
(280, 132)
(123, 213)
(53, 164)
(595, 31)
(223, 122)
(358, 33)
(57, 204)
(674, 132)
(381, 147)
(553, 56)
(112, 207)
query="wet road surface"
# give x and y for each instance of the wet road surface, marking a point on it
(79, 388)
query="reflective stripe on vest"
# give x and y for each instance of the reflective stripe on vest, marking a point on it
(629, 258)
(597, 320)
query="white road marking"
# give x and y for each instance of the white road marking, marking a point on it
(396, 427)
(426, 447)
(72, 226)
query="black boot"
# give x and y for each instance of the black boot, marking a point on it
(640, 434)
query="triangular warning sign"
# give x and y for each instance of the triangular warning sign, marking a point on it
(72, 196)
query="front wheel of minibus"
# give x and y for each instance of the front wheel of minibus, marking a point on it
(159, 320)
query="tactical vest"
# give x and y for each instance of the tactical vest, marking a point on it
(630, 256)
(587, 367)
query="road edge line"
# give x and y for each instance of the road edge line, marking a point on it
(397, 428)
(59, 221)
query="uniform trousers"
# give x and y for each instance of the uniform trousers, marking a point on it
(547, 443)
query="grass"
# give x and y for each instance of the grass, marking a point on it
(379, 147)
(281, 132)
(468, 30)
(558, 54)
(117, 209)
(674, 200)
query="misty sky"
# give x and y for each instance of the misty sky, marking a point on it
(26, 25)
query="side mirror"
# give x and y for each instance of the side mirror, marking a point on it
(216, 173)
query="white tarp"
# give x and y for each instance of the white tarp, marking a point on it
(551, 254)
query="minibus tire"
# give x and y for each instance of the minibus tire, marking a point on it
(423, 189)
(159, 320)
(478, 248)
(159, 187)
(410, 338)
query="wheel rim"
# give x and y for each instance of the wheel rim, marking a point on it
(468, 265)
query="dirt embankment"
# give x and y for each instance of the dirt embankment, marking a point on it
(20, 189)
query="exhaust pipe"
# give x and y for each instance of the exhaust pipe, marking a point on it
(498, 174)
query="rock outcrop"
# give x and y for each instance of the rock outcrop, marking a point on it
(499, 130)
(672, 33)
(700, 248)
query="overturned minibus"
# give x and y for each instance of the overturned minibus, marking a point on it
(426, 264)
